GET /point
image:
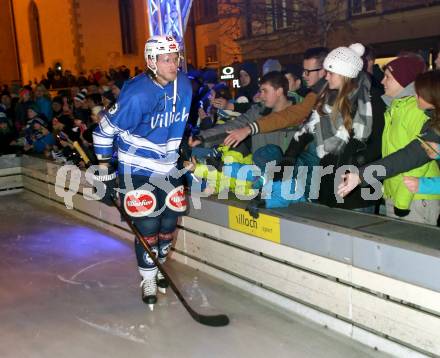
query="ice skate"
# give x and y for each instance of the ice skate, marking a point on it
(149, 292)
(162, 283)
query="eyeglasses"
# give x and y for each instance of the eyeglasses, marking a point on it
(307, 72)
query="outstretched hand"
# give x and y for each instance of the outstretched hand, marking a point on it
(190, 165)
(236, 136)
(349, 182)
(432, 149)
(411, 183)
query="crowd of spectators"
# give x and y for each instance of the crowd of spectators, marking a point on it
(267, 119)
(34, 121)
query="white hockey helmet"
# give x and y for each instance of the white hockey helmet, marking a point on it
(159, 45)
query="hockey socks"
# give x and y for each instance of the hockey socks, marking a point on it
(165, 241)
(147, 270)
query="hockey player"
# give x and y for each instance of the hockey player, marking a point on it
(147, 122)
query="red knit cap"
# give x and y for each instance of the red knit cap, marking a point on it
(406, 69)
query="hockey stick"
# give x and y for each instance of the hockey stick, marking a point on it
(213, 320)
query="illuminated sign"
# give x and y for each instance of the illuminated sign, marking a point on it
(227, 73)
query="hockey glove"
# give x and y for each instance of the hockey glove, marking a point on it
(254, 207)
(104, 180)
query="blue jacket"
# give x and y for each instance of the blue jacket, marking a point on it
(147, 131)
(45, 107)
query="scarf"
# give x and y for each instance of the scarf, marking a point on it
(331, 136)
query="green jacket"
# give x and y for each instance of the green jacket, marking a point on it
(403, 121)
(218, 181)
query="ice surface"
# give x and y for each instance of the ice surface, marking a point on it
(70, 290)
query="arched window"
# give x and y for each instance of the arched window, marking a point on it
(128, 26)
(35, 31)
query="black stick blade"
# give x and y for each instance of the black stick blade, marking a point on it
(220, 320)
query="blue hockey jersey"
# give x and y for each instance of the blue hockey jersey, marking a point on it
(147, 131)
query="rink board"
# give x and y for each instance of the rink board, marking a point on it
(329, 265)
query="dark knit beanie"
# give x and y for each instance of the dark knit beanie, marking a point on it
(58, 99)
(65, 119)
(35, 108)
(210, 76)
(251, 69)
(405, 69)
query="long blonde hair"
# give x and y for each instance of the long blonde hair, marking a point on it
(342, 103)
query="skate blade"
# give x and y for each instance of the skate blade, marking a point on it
(151, 307)
(162, 290)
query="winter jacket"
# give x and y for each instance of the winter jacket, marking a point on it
(45, 107)
(352, 153)
(403, 122)
(374, 143)
(411, 156)
(218, 133)
(234, 176)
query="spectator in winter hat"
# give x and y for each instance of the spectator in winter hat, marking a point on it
(248, 81)
(248, 89)
(413, 156)
(209, 78)
(403, 122)
(80, 108)
(341, 122)
(271, 65)
(80, 97)
(37, 136)
(344, 63)
(404, 71)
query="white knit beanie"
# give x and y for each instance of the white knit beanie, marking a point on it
(345, 61)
